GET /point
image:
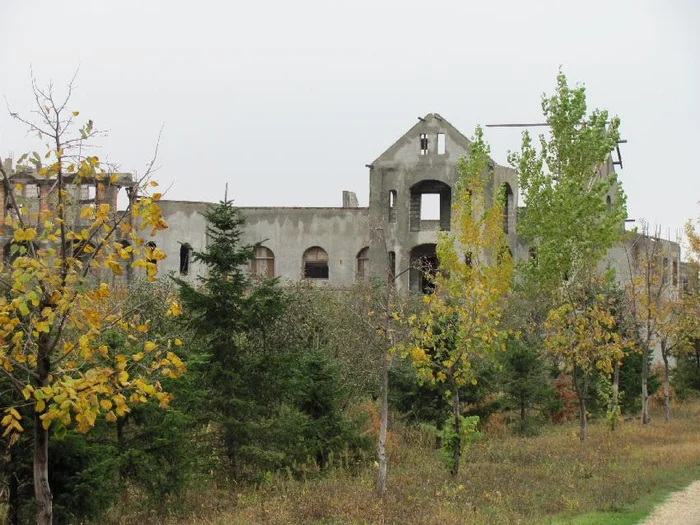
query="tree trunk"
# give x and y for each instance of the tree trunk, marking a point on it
(42, 490)
(383, 424)
(615, 394)
(522, 409)
(667, 384)
(645, 390)
(581, 392)
(457, 451)
(13, 499)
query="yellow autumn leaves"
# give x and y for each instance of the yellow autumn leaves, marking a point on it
(71, 345)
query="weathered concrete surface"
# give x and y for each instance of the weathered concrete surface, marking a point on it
(407, 165)
(288, 232)
(422, 161)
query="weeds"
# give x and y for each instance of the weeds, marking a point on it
(503, 480)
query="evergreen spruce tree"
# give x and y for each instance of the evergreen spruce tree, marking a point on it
(222, 308)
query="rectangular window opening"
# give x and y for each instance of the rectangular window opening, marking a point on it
(675, 273)
(316, 270)
(441, 143)
(430, 207)
(423, 144)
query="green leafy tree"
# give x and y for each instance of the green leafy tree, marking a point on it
(575, 212)
(569, 220)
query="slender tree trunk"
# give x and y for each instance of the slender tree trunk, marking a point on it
(667, 384)
(13, 499)
(383, 424)
(457, 452)
(522, 409)
(615, 393)
(581, 392)
(645, 389)
(42, 489)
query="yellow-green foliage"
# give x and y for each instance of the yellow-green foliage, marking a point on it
(463, 314)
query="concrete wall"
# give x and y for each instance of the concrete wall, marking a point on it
(288, 232)
(403, 166)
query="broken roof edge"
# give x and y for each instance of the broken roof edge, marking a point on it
(449, 127)
(207, 203)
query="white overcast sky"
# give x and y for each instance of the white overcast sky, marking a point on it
(288, 100)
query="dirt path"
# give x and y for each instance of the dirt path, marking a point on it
(681, 508)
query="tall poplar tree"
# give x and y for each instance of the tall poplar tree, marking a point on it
(575, 213)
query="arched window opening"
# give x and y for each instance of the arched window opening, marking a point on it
(392, 205)
(263, 263)
(362, 264)
(423, 267)
(608, 203)
(430, 206)
(315, 263)
(392, 264)
(185, 254)
(508, 204)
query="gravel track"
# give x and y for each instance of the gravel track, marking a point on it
(681, 508)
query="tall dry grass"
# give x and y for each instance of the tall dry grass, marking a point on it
(504, 480)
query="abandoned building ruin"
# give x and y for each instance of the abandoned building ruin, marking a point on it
(38, 195)
(339, 245)
(336, 246)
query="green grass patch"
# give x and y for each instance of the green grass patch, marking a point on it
(666, 483)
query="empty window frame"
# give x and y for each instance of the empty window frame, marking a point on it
(392, 205)
(430, 207)
(423, 144)
(362, 264)
(441, 143)
(263, 263)
(439, 198)
(185, 255)
(392, 264)
(507, 207)
(664, 269)
(674, 274)
(315, 263)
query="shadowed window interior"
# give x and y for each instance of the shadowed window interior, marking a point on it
(315, 263)
(185, 254)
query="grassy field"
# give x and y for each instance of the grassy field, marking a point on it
(613, 478)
